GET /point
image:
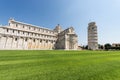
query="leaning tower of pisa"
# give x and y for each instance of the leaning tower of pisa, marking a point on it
(92, 36)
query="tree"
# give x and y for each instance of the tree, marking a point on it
(85, 47)
(107, 46)
(100, 46)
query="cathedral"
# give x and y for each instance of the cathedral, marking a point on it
(22, 36)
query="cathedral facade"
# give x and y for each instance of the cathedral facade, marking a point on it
(22, 36)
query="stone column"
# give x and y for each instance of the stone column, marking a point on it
(42, 44)
(23, 43)
(32, 43)
(66, 41)
(29, 43)
(6, 42)
(12, 42)
(39, 43)
(18, 38)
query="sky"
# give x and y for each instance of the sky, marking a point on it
(67, 13)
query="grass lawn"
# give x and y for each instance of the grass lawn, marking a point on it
(59, 65)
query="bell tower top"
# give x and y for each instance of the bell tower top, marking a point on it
(12, 19)
(58, 28)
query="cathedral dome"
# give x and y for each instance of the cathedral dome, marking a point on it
(58, 28)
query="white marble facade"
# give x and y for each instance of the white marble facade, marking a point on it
(92, 36)
(22, 36)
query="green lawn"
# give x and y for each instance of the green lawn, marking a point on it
(59, 65)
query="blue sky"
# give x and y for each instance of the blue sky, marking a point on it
(76, 13)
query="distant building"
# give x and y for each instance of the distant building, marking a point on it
(92, 36)
(116, 45)
(23, 36)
